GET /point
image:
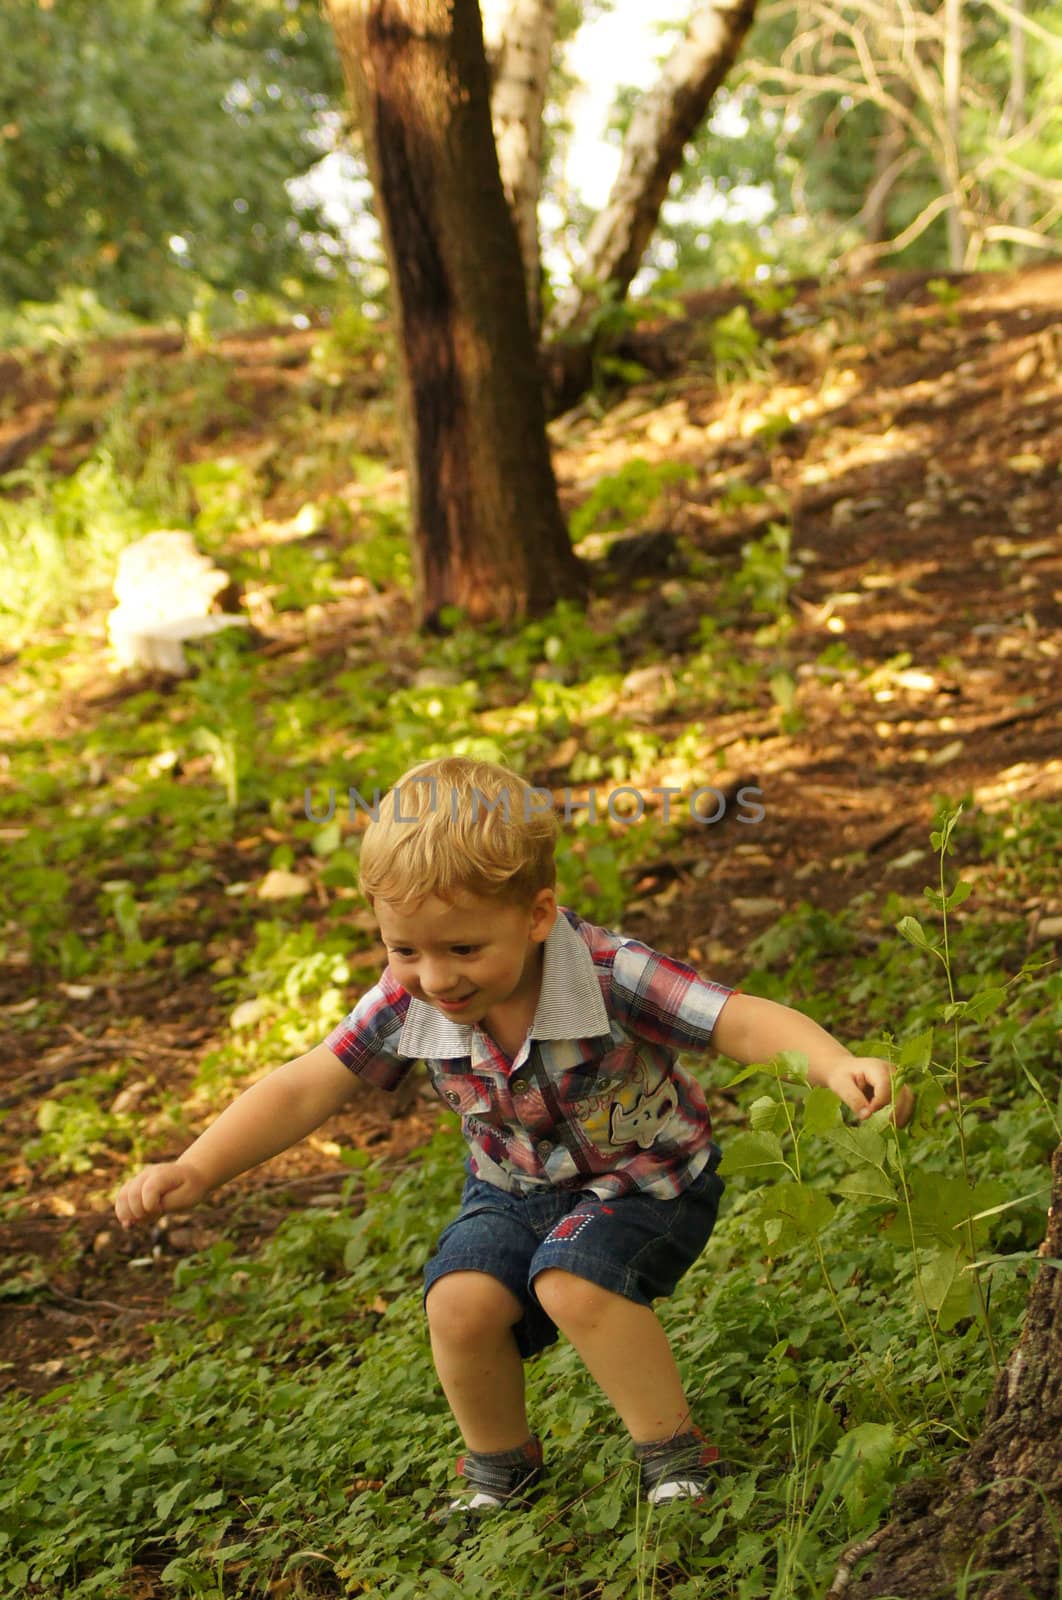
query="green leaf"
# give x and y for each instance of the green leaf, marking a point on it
(792, 1065)
(822, 1111)
(1015, 1260)
(940, 1207)
(947, 1291)
(355, 1250)
(609, 1510)
(917, 1051)
(962, 891)
(792, 1212)
(788, 1065)
(942, 841)
(937, 1276)
(750, 1152)
(862, 1144)
(911, 929)
(165, 1502)
(867, 1184)
(768, 1115)
(867, 1450)
(326, 840)
(985, 1002)
(745, 1074)
(741, 1496)
(993, 1211)
(929, 1096)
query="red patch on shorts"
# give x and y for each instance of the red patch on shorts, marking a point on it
(568, 1227)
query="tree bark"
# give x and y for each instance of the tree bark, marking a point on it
(663, 123)
(952, 75)
(991, 1531)
(488, 532)
(520, 58)
(1016, 117)
(892, 157)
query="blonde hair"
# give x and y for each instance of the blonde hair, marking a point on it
(454, 825)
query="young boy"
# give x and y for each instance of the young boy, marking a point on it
(590, 1176)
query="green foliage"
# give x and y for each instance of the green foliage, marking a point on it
(781, 172)
(837, 1338)
(834, 1338)
(765, 576)
(76, 1125)
(564, 639)
(624, 498)
(382, 553)
(351, 337)
(946, 294)
(736, 346)
(74, 316)
(61, 541)
(227, 722)
(159, 125)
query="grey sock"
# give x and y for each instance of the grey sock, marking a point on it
(529, 1454)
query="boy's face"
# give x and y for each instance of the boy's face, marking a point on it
(468, 958)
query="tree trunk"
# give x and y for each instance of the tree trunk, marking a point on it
(892, 157)
(487, 528)
(1016, 113)
(663, 123)
(991, 1530)
(521, 61)
(952, 113)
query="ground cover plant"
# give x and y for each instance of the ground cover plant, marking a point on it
(241, 1400)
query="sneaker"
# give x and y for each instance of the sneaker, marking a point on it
(681, 1468)
(503, 1478)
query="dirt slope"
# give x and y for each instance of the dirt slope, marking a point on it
(911, 438)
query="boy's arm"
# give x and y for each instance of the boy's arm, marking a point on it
(270, 1116)
(750, 1029)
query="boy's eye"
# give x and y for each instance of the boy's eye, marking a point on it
(465, 949)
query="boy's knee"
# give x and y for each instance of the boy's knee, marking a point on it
(570, 1300)
(470, 1305)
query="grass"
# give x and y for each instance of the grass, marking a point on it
(286, 1434)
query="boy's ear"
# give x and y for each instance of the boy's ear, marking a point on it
(543, 914)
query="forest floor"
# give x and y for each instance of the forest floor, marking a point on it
(910, 439)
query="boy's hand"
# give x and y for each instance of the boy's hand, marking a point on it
(864, 1083)
(168, 1186)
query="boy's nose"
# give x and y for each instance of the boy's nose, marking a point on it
(437, 982)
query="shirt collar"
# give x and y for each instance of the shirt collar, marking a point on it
(569, 1004)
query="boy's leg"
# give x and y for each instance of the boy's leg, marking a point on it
(596, 1275)
(471, 1317)
(625, 1349)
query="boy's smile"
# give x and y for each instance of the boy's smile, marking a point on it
(472, 960)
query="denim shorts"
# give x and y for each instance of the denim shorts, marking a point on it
(636, 1245)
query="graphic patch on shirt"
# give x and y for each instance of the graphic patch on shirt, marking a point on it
(624, 1110)
(640, 1124)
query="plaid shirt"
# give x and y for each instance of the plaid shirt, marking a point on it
(593, 1099)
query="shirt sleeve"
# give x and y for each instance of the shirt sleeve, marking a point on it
(367, 1039)
(663, 1000)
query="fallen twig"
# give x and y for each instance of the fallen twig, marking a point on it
(34, 1081)
(848, 1559)
(125, 1048)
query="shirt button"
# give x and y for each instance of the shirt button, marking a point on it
(519, 1086)
(543, 1149)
